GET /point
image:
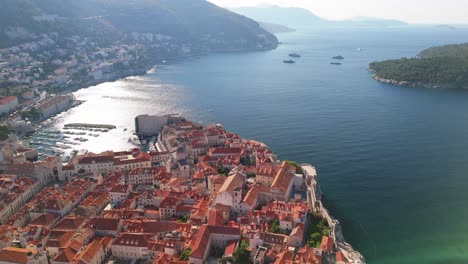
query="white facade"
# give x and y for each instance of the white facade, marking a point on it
(95, 167)
(147, 125)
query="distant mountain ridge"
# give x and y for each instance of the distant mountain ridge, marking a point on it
(287, 16)
(184, 20)
(275, 28)
(302, 18)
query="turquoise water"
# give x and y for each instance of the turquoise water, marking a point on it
(392, 161)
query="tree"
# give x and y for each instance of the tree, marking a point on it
(4, 132)
(318, 228)
(182, 219)
(298, 168)
(251, 175)
(223, 171)
(241, 255)
(314, 240)
(275, 227)
(185, 254)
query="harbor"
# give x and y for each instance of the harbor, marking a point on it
(52, 141)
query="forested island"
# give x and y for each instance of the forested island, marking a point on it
(436, 67)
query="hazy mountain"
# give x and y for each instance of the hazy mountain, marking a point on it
(184, 20)
(275, 28)
(374, 22)
(287, 16)
(302, 18)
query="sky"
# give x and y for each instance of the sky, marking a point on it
(411, 11)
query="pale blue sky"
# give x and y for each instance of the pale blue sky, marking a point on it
(412, 11)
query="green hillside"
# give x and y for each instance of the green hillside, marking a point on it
(456, 50)
(444, 66)
(184, 20)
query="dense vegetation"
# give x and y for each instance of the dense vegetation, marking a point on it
(445, 66)
(318, 228)
(32, 115)
(184, 20)
(275, 227)
(456, 50)
(298, 168)
(185, 254)
(241, 255)
(4, 132)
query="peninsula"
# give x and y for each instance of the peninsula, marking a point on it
(437, 67)
(203, 195)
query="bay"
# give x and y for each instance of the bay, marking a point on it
(392, 161)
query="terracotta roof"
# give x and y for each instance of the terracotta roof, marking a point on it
(198, 251)
(231, 183)
(66, 256)
(69, 223)
(15, 255)
(230, 248)
(24, 169)
(227, 151)
(90, 252)
(252, 195)
(284, 257)
(150, 170)
(132, 240)
(104, 157)
(298, 230)
(169, 202)
(215, 217)
(140, 157)
(7, 99)
(151, 226)
(44, 220)
(327, 244)
(121, 188)
(268, 170)
(53, 101)
(276, 239)
(104, 224)
(283, 178)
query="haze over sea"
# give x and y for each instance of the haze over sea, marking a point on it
(392, 161)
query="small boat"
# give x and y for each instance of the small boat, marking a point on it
(335, 63)
(289, 61)
(358, 49)
(339, 57)
(294, 55)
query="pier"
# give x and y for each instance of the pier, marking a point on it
(75, 125)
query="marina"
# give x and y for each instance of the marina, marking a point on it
(52, 141)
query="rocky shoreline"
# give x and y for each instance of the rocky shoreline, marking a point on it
(408, 83)
(314, 200)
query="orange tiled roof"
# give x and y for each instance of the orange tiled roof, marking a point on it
(15, 255)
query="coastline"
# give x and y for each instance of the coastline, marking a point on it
(314, 200)
(115, 76)
(409, 83)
